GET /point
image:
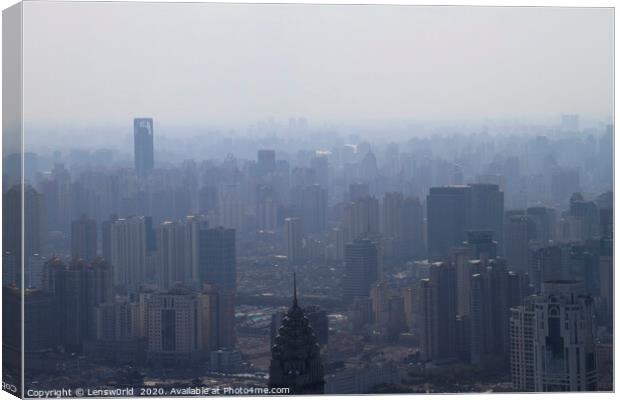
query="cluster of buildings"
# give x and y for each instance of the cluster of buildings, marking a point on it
(139, 263)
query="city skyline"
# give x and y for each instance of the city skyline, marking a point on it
(308, 199)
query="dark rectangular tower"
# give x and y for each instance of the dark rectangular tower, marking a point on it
(143, 146)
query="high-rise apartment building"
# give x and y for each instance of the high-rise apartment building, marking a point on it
(128, 249)
(552, 340)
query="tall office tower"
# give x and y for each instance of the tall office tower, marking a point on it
(488, 209)
(296, 357)
(465, 267)
(391, 218)
(84, 238)
(368, 215)
(266, 162)
(443, 286)
(171, 267)
(494, 291)
(358, 190)
(174, 327)
(361, 268)
(30, 240)
(543, 221)
(409, 305)
(563, 348)
(361, 218)
(518, 232)
(143, 146)
(293, 233)
(426, 319)
(106, 237)
(218, 258)
(481, 244)
(192, 225)
(449, 211)
(78, 288)
(314, 209)
(128, 245)
(351, 225)
(320, 164)
(266, 208)
(587, 213)
(218, 318)
(413, 246)
(231, 209)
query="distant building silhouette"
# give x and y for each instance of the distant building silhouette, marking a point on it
(449, 214)
(218, 259)
(361, 268)
(84, 238)
(293, 233)
(143, 146)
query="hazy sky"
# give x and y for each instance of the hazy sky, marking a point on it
(195, 63)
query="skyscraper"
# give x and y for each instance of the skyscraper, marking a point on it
(488, 209)
(84, 238)
(449, 214)
(361, 268)
(78, 288)
(518, 232)
(170, 255)
(314, 209)
(143, 146)
(217, 318)
(218, 259)
(296, 357)
(293, 233)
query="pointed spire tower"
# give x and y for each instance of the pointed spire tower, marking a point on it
(295, 356)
